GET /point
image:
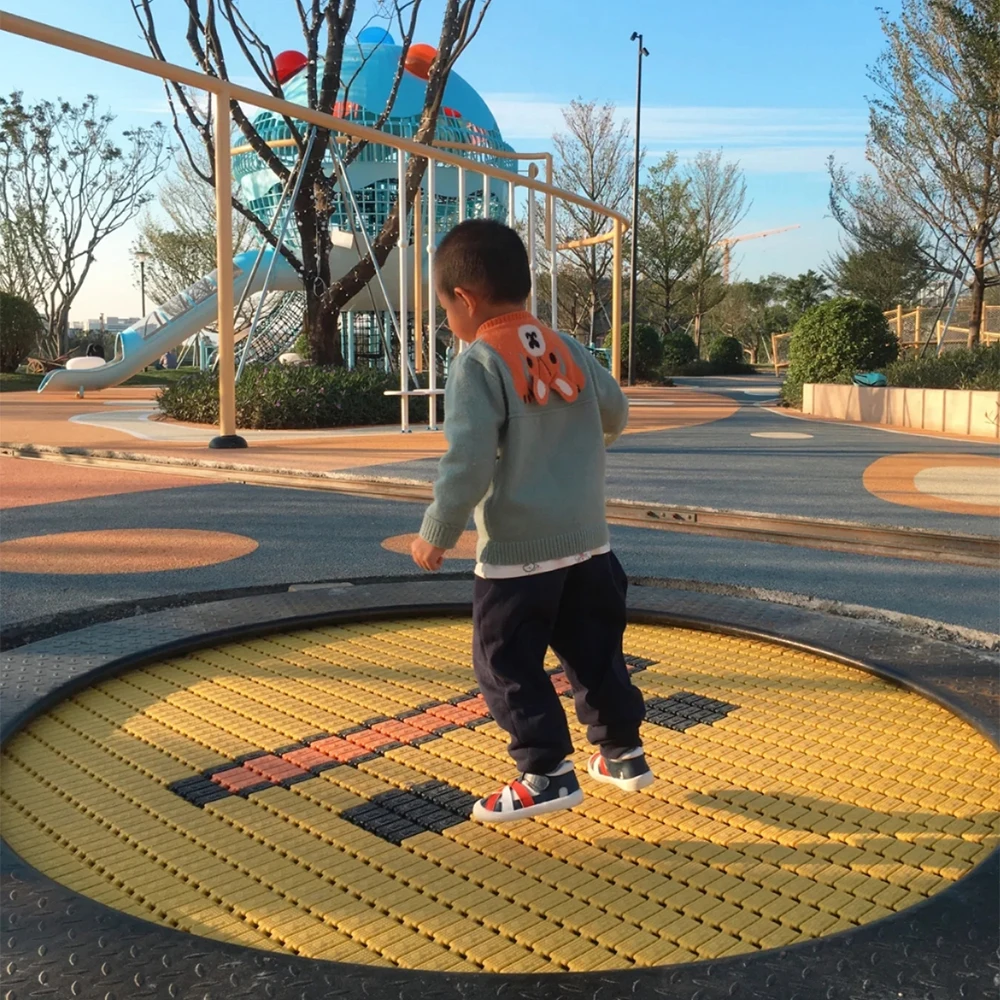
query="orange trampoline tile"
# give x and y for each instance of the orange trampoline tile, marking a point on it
(456, 714)
(275, 768)
(239, 779)
(339, 749)
(309, 758)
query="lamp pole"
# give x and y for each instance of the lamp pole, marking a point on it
(636, 37)
(142, 256)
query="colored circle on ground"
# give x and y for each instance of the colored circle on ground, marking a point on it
(465, 549)
(419, 59)
(375, 36)
(139, 550)
(781, 435)
(962, 483)
(309, 793)
(955, 484)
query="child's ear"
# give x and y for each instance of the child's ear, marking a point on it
(467, 299)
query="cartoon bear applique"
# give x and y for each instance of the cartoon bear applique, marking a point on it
(539, 362)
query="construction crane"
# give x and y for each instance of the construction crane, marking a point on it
(731, 241)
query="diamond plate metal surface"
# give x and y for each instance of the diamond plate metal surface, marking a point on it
(59, 944)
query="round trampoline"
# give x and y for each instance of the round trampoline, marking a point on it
(309, 792)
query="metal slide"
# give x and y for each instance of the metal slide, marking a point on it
(172, 323)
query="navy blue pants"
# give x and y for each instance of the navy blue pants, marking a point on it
(580, 612)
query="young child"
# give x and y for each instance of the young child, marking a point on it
(528, 414)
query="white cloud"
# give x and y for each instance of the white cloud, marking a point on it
(763, 139)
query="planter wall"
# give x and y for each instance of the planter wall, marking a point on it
(954, 411)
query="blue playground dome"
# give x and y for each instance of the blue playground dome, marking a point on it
(369, 68)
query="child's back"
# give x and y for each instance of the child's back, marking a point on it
(528, 414)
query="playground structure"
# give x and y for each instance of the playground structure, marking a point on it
(467, 175)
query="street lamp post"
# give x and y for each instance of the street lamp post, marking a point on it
(636, 37)
(142, 256)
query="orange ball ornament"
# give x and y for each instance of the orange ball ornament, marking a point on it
(419, 59)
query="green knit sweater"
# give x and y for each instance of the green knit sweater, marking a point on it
(533, 472)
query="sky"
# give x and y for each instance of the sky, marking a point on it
(778, 85)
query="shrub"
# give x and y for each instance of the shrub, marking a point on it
(678, 349)
(836, 339)
(648, 351)
(290, 397)
(19, 329)
(726, 352)
(977, 368)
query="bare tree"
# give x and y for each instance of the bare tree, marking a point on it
(719, 195)
(326, 26)
(181, 241)
(934, 136)
(670, 242)
(65, 186)
(594, 160)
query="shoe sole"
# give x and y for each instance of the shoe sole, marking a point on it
(626, 784)
(553, 805)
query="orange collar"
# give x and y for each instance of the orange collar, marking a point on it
(518, 316)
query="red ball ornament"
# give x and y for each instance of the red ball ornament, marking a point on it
(287, 64)
(419, 59)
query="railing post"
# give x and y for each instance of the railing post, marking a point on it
(616, 303)
(486, 196)
(431, 292)
(532, 239)
(404, 339)
(462, 204)
(227, 437)
(899, 322)
(418, 284)
(351, 349)
(917, 324)
(511, 192)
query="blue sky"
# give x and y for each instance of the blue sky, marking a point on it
(777, 84)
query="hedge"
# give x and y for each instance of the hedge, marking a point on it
(291, 397)
(975, 368)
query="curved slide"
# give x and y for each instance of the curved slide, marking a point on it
(171, 324)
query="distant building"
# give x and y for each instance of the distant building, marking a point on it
(109, 324)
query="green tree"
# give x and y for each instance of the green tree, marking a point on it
(19, 328)
(885, 256)
(669, 241)
(804, 292)
(751, 312)
(934, 139)
(66, 184)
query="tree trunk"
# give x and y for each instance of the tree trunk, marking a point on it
(978, 289)
(697, 332)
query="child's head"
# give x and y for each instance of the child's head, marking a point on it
(481, 270)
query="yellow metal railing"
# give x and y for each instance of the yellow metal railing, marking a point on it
(224, 92)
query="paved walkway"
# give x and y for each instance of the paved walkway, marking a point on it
(106, 537)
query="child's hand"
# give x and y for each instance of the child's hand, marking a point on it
(427, 556)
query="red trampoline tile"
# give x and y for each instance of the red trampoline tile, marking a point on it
(476, 704)
(338, 749)
(453, 713)
(308, 757)
(275, 768)
(371, 739)
(399, 730)
(426, 723)
(237, 778)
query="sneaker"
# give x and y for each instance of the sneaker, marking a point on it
(531, 795)
(629, 772)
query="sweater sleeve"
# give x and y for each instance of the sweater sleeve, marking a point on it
(611, 400)
(474, 414)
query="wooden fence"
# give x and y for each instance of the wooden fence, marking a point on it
(909, 328)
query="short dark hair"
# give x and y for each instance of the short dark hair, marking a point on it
(486, 257)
